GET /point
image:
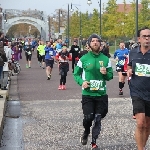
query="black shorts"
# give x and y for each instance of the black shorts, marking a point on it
(28, 57)
(49, 63)
(63, 68)
(95, 105)
(42, 58)
(140, 106)
(121, 69)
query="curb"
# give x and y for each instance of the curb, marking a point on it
(3, 104)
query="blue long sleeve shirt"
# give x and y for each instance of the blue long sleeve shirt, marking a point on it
(119, 53)
(49, 52)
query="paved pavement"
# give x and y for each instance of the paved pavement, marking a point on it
(3, 100)
(52, 119)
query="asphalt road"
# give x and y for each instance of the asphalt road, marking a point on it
(52, 119)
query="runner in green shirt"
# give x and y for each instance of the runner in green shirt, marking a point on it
(96, 69)
(41, 53)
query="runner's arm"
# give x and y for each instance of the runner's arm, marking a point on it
(109, 75)
(77, 73)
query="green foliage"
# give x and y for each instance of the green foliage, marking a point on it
(94, 24)
(114, 23)
(85, 24)
(144, 16)
(75, 24)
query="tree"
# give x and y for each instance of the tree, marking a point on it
(130, 21)
(22, 29)
(94, 24)
(111, 23)
(63, 19)
(124, 20)
(85, 24)
(75, 25)
(144, 17)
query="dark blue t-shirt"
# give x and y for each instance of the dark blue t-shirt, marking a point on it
(140, 80)
(49, 51)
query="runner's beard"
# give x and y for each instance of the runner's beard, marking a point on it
(95, 48)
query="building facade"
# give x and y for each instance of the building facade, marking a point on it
(1, 19)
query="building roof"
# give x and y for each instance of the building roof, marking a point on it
(127, 7)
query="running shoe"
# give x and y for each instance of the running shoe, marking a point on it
(63, 87)
(120, 92)
(60, 87)
(84, 138)
(27, 66)
(94, 146)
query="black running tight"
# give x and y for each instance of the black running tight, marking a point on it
(63, 79)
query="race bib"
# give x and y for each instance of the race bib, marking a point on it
(51, 53)
(142, 70)
(120, 62)
(59, 50)
(76, 49)
(96, 85)
(29, 53)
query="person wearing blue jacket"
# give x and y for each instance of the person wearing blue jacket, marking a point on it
(59, 46)
(120, 55)
(49, 59)
(34, 44)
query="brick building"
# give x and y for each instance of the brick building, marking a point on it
(127, 8)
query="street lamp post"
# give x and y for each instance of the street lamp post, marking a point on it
(59, 20)
(68, 28)
(80, 31)
(4, 21)
(89, 2)
(136, 20)
(49, 26)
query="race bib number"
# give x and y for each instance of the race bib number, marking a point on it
(120, 62)
(59, 50)
(29, 53)
(51, 53)
(142, 70)
(96, 85)
(76, 49)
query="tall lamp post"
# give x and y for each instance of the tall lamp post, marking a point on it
(80, 31)
(4, 21)
(89, 2)
(68, 34)
(136, 20)
(59, 20)
(49, 27)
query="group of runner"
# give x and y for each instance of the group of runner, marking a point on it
(92, 68)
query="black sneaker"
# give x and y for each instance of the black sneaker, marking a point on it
(94, 146)
(84, 138)
(48, 78)
(120, 92)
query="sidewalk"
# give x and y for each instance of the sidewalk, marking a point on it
(3, 101)
(8, 95)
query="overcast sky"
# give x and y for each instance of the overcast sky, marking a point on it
(49, 6)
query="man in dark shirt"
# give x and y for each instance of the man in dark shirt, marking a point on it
(139, 71)
(75, 52)
(105, 49)
(85, 51)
